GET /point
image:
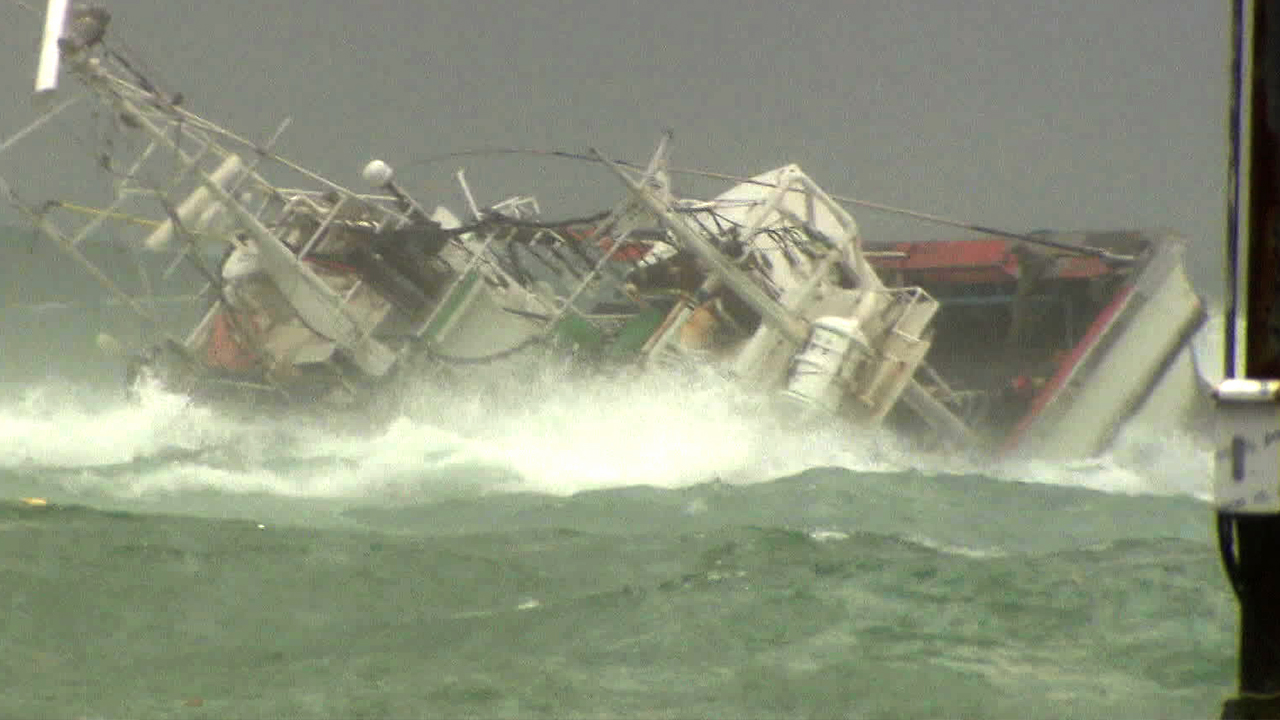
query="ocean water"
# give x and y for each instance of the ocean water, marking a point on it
(534, 546)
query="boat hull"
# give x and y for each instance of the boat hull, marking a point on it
(1138, 345)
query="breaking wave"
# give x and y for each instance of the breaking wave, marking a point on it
(543, 433)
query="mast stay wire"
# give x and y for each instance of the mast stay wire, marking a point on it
(1033, 239)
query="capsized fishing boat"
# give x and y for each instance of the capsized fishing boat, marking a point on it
(1059, 348)
(322, 296)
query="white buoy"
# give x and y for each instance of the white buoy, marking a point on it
(377, 173)
(196, 204)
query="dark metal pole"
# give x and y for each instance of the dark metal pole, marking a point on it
(1247, 475)
(1255, 574)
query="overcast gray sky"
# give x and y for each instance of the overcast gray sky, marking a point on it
(1021, 114)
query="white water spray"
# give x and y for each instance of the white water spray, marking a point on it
(548, 432)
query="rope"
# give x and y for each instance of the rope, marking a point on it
(482, 359)
(86, 210)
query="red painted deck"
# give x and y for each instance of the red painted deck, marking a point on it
(974, 261)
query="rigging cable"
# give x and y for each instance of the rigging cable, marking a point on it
(880, 207)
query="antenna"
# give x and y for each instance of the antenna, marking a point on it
(55, 19)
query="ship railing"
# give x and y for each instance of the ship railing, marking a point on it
(648, 179)
(478, 256)
(908, 326)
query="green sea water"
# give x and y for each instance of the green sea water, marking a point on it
(666, 555)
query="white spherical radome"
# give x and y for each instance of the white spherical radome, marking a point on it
(377, 173)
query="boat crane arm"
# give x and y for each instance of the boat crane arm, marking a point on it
(785, 322)
(778, 317)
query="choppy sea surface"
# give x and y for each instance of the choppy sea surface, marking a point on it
(648, 548)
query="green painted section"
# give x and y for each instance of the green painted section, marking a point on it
(593, 343)
(580, 333)
(452, 305)
(635, 333)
